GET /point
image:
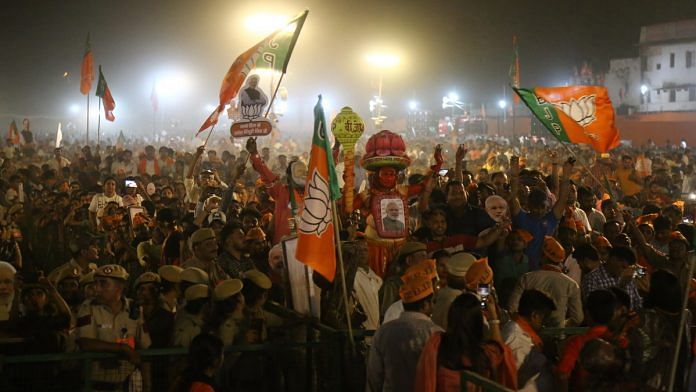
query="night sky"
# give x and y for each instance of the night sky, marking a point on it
(445, 45)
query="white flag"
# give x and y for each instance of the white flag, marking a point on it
(59, 136)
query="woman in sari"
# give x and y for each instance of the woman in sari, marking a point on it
(463, 347)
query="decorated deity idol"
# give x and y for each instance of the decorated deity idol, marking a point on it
(384, 203)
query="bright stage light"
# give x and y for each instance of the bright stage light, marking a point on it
(453, 96)
(74, 108)
(382, 60)
(265, 23)
(502, 104)
(413, 105)
(172, 84)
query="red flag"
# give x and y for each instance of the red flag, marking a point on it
(153, 97)
(13, 133)
(87, 70)
(212, 119)
(272, 52)
(104, 93)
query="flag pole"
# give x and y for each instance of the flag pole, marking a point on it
(88, 119)
(682, 323)
(275, 92)
(99, 121)
(587, 169)
(209, 133)
(342, 270)
(514, 116)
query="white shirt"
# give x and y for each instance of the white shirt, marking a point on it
(150, 167)
(100, 200)
(125, 168)
(579, 215)
(56, 164)
(98, 204)
(519, 342)
(536, 374)
(644, 164)
(366, 290)
(574, 270)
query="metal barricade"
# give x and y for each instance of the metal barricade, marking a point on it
(72, 371)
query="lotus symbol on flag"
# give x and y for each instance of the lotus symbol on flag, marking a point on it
(316, 214)
(582, 110)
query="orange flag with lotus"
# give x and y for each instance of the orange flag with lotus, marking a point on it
(315, 231)
(575, 114)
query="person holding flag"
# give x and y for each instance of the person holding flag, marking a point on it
(272, 52)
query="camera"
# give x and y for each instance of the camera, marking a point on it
(131, 184)
(443, 172)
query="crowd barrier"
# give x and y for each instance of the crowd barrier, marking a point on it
(72, 371)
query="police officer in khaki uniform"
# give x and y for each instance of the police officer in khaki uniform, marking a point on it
(191, 276)
(85, 254)
(159, 322)
(68, 284)
(227, 321)
(205, 253)
(190, 320)
(228, 312)
(106, 324)
(170, 289)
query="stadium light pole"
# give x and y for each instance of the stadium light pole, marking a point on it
(380, 61)
(502, 104)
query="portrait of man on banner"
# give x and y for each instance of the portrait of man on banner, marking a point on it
(252, 99)
(392, 216)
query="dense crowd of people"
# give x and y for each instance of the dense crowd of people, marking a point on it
(131, 246)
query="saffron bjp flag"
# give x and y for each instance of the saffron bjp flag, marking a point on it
(104, 93)
(575, 114)
(13, 133)
(315, 231)
(273, 52)
(87, 69)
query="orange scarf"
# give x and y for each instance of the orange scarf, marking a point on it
(538, 343)
(142, 167)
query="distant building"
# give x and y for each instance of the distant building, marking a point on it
(421, 121)
(663, 77)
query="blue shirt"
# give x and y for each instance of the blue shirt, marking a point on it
(538, 228)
